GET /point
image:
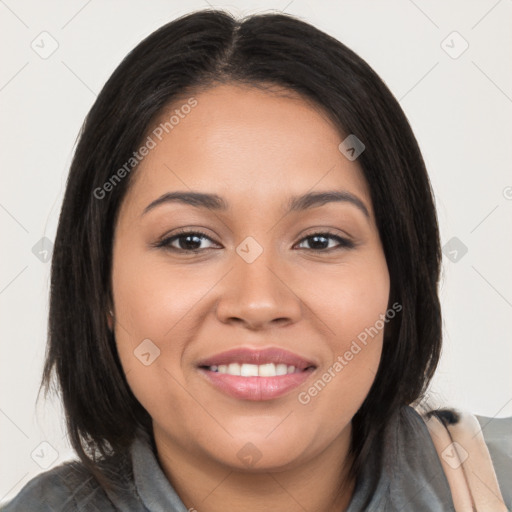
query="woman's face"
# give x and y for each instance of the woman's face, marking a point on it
(255, 278)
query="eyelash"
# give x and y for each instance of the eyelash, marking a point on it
(344, 243)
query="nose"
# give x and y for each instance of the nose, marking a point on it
(259, 295)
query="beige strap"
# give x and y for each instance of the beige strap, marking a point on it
(467, 464)
(451, 463)
(477, 463)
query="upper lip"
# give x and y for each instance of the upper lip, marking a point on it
(243, 355)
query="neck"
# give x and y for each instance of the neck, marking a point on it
(320, 483)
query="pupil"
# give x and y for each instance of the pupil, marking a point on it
(187, 244)
(315, 241)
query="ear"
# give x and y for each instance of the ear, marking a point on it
(109, 306)
(110, 320)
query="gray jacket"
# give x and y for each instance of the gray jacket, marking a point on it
(412, 478)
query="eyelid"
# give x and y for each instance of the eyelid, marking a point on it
(336, 232)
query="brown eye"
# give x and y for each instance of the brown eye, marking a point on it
(187, 241)
(319, 242)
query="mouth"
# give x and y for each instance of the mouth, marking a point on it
(250, 374)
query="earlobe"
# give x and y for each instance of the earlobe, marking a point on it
(110, 320)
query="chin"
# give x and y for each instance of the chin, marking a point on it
(258, 455)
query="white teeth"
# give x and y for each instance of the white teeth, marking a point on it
(254, 370)
(281, 369)
(233, 369)
(249, 370)
(267, 370)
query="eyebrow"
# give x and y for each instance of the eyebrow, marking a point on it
(214, 202)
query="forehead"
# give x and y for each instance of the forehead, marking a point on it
(246, 144)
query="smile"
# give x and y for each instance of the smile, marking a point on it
(257, 375)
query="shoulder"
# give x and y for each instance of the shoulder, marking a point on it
(417, 478)
(405, 466)
(497, 434)
(67, 487)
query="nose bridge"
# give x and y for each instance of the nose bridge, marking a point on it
(257, 292)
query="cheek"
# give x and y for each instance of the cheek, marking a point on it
(154, 308)
(154, 324)
(353, 307)
(151, 298)
(351, 299)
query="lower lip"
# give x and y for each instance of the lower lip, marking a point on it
(256, 388)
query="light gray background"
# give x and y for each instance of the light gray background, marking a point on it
(460, 109)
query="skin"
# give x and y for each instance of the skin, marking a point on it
(255, 149)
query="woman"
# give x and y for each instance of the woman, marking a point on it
(244, 285)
